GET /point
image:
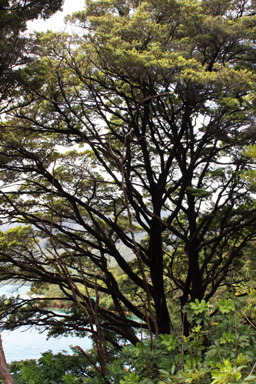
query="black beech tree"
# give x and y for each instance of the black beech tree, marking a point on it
(122, 162)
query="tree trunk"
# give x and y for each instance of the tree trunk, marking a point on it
(158, 293)
(4, 371)
(193, 285)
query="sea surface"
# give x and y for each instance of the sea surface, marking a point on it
(29, 343)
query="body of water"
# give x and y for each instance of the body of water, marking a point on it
(25, 343)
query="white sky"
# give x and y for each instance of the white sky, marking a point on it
(56, 22)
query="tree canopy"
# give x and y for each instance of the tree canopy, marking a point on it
(122, 162)
(13, 18)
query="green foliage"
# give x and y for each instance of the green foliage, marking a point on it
(227, 372)
(51, 369)
(217, 351)
(250, 175)
(13, 45)
(209, 355)
(131, 378)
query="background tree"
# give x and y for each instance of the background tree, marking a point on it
(156, 102)
(13, 18)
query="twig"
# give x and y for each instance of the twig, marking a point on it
(252, 369)
(233, 298)
(88, 357)
(4, 371)
(249, 321)
(182, 340)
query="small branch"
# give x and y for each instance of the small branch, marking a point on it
(4, 371)
(233, 298)
(88, 357)
(252, 369)
(182, 340)
(249, 321)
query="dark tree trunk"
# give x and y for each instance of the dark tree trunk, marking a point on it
(193, 285)
(162, 313)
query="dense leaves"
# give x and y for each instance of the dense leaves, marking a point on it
(13, 52)
(219, 350)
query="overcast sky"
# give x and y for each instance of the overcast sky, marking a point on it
(56, 22)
